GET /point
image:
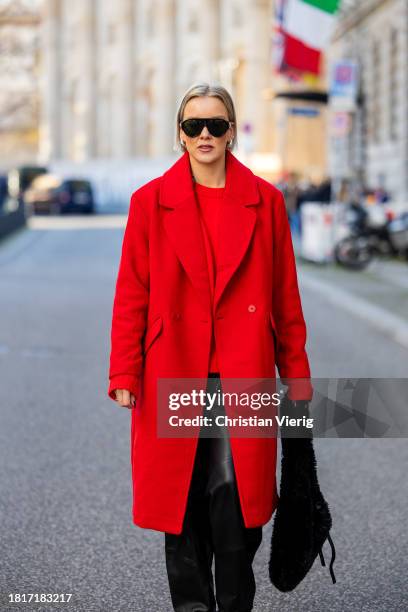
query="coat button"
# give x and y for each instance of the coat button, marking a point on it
(251, 308)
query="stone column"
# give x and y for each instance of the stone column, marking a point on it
(209, 19)
(164, 99)
(50, 122)
(125, 94)
(258, 72)
(88, 80)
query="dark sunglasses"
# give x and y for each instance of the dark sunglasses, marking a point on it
(216, 126)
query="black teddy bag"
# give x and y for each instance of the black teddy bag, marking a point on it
(302, 520)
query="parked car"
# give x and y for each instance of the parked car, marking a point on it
(3, 190)
(76, 195)
(52, 194)
(20, 178)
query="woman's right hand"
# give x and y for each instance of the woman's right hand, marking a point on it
(125, 398)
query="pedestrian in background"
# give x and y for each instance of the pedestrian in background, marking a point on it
(206, 288)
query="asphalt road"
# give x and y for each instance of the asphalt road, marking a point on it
(65, 501)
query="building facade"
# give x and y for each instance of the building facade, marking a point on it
(373, 148)
(114, 73)
(19, 81)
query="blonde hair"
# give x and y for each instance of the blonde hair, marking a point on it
(206, 89)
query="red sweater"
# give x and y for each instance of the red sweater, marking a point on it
(209, 199)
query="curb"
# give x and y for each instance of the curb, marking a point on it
(390, 324)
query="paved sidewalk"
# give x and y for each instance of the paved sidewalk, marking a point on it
(378, 294)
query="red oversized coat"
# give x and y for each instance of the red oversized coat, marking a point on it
(162, 322)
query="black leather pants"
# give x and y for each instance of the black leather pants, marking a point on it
(213, 527)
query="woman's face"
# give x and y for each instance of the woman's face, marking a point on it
(206, 106)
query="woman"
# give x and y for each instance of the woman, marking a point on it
(206, 289)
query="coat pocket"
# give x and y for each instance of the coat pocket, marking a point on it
(152, 333)
(274, 330)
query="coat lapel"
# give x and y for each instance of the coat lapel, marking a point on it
(180, 217)
(182, 223)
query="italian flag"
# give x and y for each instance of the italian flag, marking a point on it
(306, 26)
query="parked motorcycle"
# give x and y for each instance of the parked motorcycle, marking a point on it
(370, 237)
